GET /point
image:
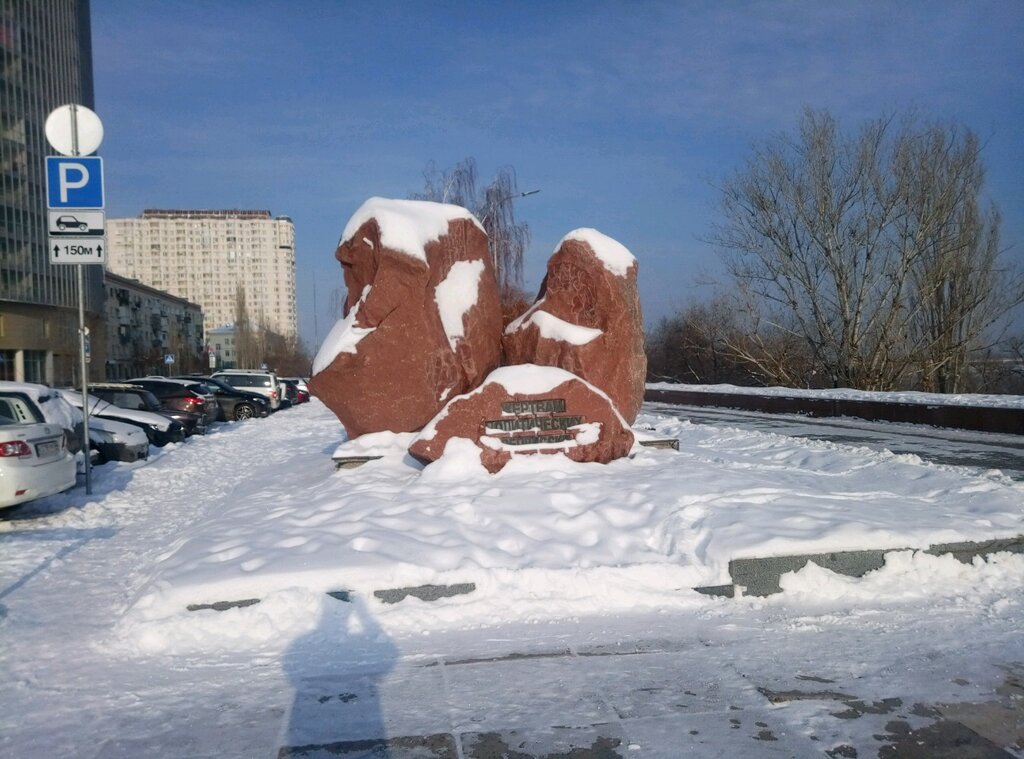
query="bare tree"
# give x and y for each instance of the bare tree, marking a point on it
(960, 285)
(869, 252)
(693, 346)
(286, 356)
(247, 350)
(507, 239)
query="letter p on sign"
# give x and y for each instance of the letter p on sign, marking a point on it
(74, 182)
(66, 183)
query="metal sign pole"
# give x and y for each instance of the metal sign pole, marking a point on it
(73, 130)
(81, 334)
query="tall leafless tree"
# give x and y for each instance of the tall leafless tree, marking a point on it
(247, 350)
(871, 250)
(507, 239)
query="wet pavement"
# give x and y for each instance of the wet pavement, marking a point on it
(653, 699)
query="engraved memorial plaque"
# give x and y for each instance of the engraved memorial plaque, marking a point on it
(570, 417)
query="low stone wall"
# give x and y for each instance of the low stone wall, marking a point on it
(979, 418)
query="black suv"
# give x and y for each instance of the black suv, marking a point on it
(234, 404)
(183, 395)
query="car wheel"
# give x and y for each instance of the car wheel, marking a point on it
(244, 411)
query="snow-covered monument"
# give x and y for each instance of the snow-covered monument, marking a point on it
(420, 346)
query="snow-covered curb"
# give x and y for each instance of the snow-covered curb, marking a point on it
(924, 399)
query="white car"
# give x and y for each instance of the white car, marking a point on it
(254, 381)
(34, 457)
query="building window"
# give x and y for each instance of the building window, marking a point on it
(7, 366)
(35, 366)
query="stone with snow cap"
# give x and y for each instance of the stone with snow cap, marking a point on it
(587, 319)
(528, 410)
(422, 317)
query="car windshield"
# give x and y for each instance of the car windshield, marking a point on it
(220, 384)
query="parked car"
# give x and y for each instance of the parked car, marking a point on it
(130, 396)
(183, 395)
(289, 394)
(295, 393)
(159, 428)
(234, 405)
(254, 381)
(117, 441)
(299, 381)
(34, 457)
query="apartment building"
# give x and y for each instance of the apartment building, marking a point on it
(150, 331)
(45, 62)
(210, 258)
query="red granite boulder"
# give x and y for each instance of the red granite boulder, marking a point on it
(587, 319)
(422, 317)
(529, 410)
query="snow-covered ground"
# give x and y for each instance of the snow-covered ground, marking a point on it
(582, 625)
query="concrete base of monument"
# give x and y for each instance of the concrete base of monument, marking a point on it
(352, 462)
(354, 453)
(761, 576)
(649, 438)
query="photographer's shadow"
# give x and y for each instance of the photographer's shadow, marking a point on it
(336, 672)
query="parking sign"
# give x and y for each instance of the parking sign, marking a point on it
(74, 182)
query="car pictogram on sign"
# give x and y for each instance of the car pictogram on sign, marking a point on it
(70, 222)
(76, 222)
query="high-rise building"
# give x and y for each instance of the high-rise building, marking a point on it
(218, 259)
(45, 62)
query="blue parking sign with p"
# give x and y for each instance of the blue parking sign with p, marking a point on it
(75, 182)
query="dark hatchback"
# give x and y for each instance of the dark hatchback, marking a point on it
(183, 395)
(132, 396)
(234, 405)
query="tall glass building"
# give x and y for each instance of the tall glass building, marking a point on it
(46, 50)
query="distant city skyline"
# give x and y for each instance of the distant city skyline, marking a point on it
(622, 115)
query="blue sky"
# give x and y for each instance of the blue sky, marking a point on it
(623, 115)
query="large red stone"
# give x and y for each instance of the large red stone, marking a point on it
(587, 319)
(422, 316)
(529, 410)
